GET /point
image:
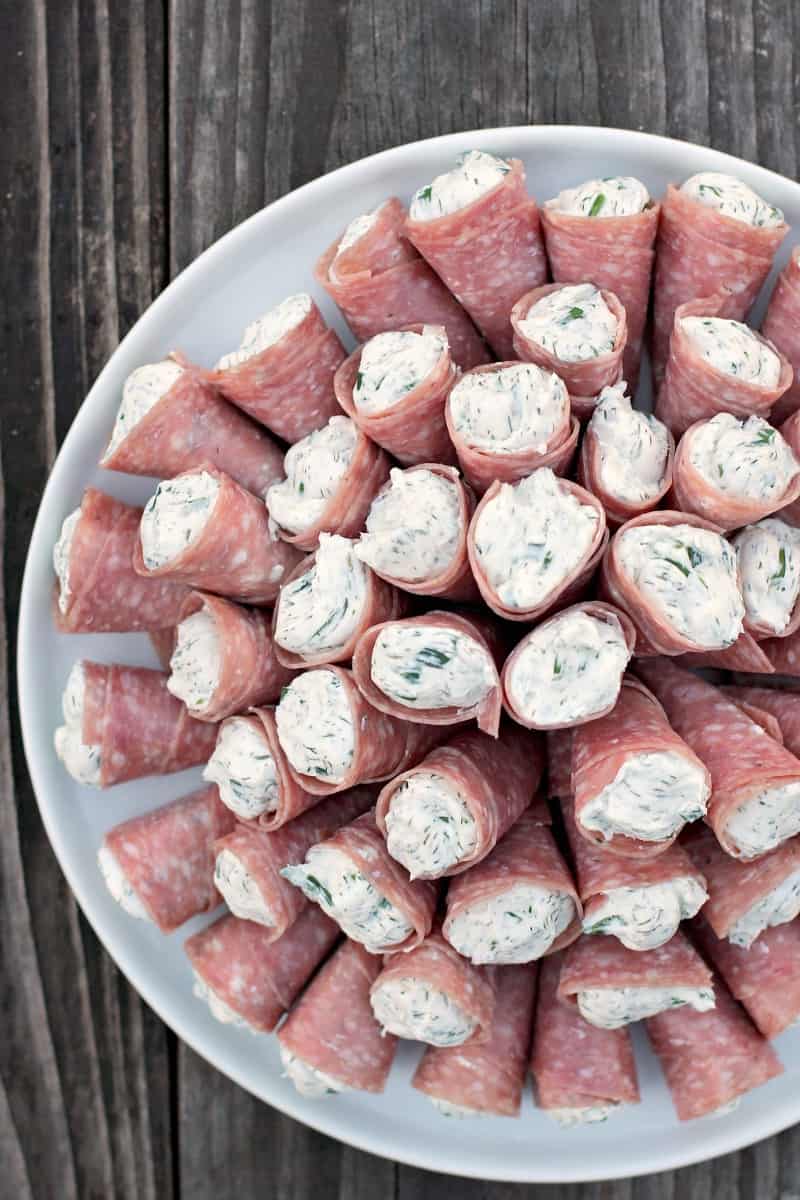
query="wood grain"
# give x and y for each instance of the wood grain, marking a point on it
(136, 133)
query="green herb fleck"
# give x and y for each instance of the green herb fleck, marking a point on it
(323, 891)
(556, 667)
(680, 566)
(695, 557)
(781, 573)
(425, 193)
(599, 201)
(301, 487)
(765, 436)
(575, 314)
(359, 379)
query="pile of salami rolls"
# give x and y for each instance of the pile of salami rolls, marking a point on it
(436, 618)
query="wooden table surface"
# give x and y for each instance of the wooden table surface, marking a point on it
(135, 132)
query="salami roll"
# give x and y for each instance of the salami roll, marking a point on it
(205, 529)
(330, 1042)
(612, 986)
(769, 565)
(581, 1074)
(754, 803)
(559, 763)
(534, 545)
(746, 898)
(249, 861)
(485, 1079)
(765, 978)
(247, 978)
(395, 392)
(98, 590)
(172, 420)
(746, 654)
(416, 533)
(224, 659)
(589, 236)
(520, 903)
(636, 781)
(505, 419)
(760, 715)
(332, 477)
(282, 375)
(710, 1059)
(160, 866)
(569, 669)
(440, 668)
(700, 248)
(718, 366)
(781, 326)
(380, 283)
(333, 738)
(678, 580)
(355, 880)
(433, 995)
(121, 723)
(782, 706)
(447, 813)
(488, 250)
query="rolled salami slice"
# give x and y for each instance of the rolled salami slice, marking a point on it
(248, 979)
(765, 978)
(485, 1079)
(746, 898)
(717, 365)
(769, 565)
(121, 723)
(282, 374)
(746, 654)
(604, 230)
(447, 813)
(416, 532)
(160, 866)
(714, 232)
(440, 668)
(505, 419)
(332, 477)
(780, 705)
(612, 986)
(626, 457)
(569, 669)
(330, 1042)
(394, 389)
(559, 763)
(380, 283)
(163, 643)
(781, 326)
(333, 738)
(755, 801)
(520, 903)
(782, 656)
(98, 590)
(480, 231)
(355, 881)
(640, 902)
(433, 995)
(249, 861)
(172, 420)
(710, 1059)
(204, 529)
(637, 783)
(534, 545)
(677, 578)
(581, 1074)
(224, 658)
(760, 715)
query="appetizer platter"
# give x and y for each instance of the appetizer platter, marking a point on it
(409, 654)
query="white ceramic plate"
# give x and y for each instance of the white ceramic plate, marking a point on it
(203, 312)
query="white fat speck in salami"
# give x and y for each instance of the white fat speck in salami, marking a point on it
(268, 329)
(240, 890)
(315, 725)
(429, 667)
(518, 407)
(119, 885)
(769, 562)
(644, 918)
(633, 448)
(175, 516)
(141, 391)
(321, 609)
(744, 458)
(82, 761)
(732, 198)
(315, 467)
(613, 196)
(574, 323)
(734, 349)
(195, 661)
(243, 769)
(392, 365)
(413, 527)
(429, 826)
(476, 174)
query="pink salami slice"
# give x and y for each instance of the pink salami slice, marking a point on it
(712, 724)
(472, 763)
(619, 510)
(781, 326)
(487, 1077)
(694, 390)
(760, 715)
(382, 284)
(292, 799)
(192, 425)
(699, 250)
(140, 727)
(484, 632)
(782, 656)
(746, 654)
(236, 554)
(289, 386)
(264, 853)
(414, 429)
(559, 763)
(782, 706)
(709, 1059)
(105, 593)
(615, 254)
(167, 856)
(256, 977)
(600, 962)
(637, 725)
(332, 1029)
(575, 1064)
